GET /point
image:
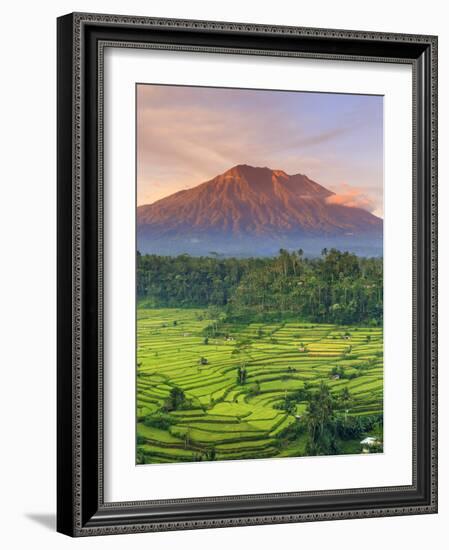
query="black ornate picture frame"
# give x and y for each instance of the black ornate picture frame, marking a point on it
(81, 509)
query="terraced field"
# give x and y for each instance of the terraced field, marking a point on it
(223, 418)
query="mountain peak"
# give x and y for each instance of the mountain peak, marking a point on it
(247, 169)
(265, 182)
(255, 203)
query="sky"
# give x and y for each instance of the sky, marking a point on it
(187, 135)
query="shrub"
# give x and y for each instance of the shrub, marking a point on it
(158, 420)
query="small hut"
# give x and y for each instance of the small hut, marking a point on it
(369, 443)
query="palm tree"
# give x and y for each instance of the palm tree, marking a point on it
(320, 422)
(345, 398)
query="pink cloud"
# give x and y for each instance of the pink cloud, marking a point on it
(353, 197)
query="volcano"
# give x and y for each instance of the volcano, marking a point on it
(251, 211)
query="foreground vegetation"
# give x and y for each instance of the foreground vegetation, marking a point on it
(338, 287)
(216, 383)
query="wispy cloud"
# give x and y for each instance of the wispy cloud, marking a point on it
(354, 197)
(187, 135)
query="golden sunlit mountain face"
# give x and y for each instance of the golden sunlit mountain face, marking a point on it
(240, 171)
(253, 203)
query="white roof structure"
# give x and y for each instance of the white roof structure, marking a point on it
(369, 441)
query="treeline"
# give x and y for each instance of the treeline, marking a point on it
(338, 287)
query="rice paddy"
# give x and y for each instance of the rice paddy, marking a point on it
(224, 417)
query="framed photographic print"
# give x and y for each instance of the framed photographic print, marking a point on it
(246, 274)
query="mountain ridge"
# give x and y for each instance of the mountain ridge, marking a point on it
(247, 202)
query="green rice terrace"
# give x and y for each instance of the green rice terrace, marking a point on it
(212, 390)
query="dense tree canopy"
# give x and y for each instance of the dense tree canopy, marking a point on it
(338, 287)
